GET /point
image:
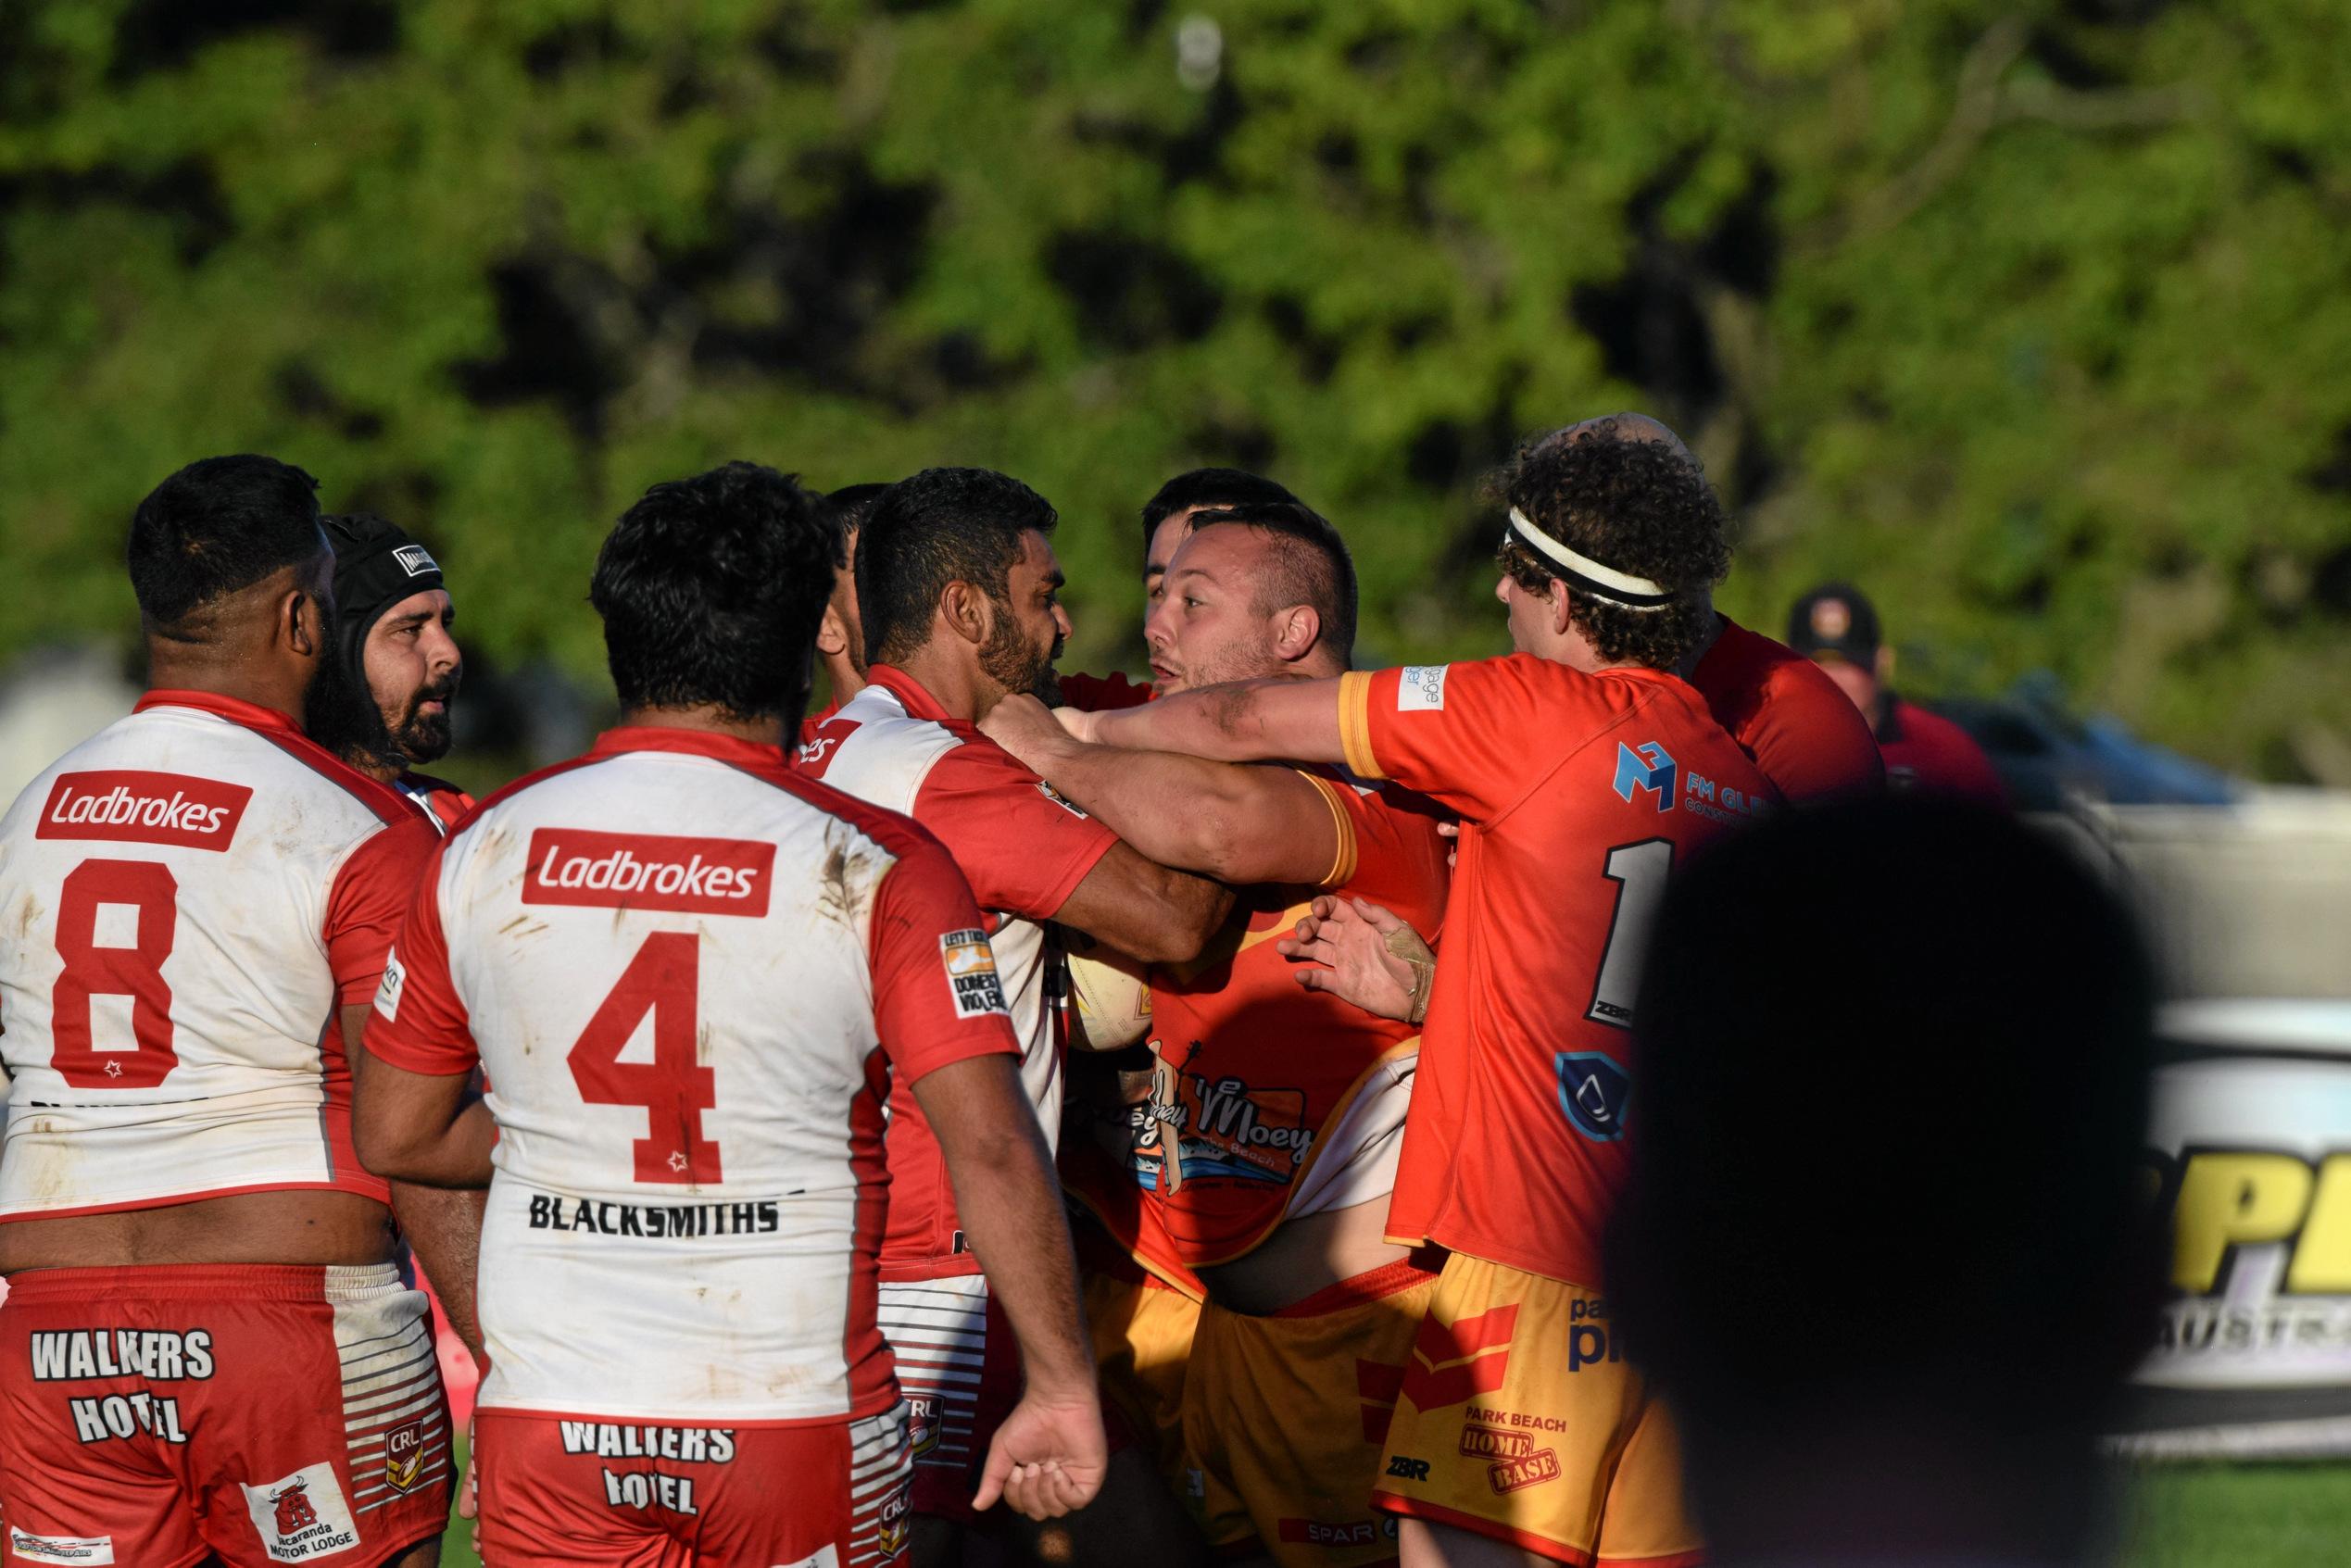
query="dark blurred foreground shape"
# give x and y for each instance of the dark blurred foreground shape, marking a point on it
(1887, 1246)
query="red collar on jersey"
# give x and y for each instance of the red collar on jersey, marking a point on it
(730, 749)
(911, 692)
(252, 715)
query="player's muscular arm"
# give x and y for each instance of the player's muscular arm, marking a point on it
(443, 1221)
(428, 1128)
(1049, 1457)
(1245, 721)
(1144, 909)
(1239, 823)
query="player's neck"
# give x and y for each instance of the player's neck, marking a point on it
(708, 719)
(845, 678)
(953, 679)
(183, 666)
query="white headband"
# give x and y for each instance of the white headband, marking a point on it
(1617, 587)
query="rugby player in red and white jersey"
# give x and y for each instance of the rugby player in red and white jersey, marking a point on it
(1277, 1114)
(1583, 768)
(205, 1355)
(699, 981)
(392, 621)
(958, 592)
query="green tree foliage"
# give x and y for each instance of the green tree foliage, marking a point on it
(2031, 317)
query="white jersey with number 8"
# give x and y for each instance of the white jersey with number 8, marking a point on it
(691, 975)
(185, 898)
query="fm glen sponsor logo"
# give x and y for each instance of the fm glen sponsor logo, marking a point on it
(644, 871)
(130, 807)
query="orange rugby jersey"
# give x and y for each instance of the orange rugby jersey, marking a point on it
(1578, 794)
(1805, 734)
(1269, 1100)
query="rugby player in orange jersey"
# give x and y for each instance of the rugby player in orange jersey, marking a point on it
(1777, 703)
(1276, 1114)
(1141, 1300)
(1583, 768)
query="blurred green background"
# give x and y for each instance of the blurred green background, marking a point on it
(2034, 319)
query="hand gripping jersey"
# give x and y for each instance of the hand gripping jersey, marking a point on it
(1793, 720)
(1270, 1101)
(691, 975)
(1024, 849)
(1578, 795)
(187, 898)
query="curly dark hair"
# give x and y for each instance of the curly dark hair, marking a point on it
(1638, 507)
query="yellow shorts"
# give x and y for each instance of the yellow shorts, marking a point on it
(1520, 1419)
(1142, 1341)
(1284, 1415)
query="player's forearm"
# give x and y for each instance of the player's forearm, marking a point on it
(433, 1150)
(1011, 1212)
(1245, 721)
(1181, 811)
(444, 1228)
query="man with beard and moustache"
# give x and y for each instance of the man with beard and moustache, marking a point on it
(393, 616)
(959, 591)
(206, 1334)
(1276, 1114)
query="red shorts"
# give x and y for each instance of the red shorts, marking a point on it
(558, 1491)
(961, 1373)
(160, 1416)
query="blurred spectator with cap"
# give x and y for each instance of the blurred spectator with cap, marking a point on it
(1837, 629)
(393, 616)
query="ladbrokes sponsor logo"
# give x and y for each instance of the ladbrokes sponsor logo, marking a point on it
(644, 871)
(128, 807)
(1533, 1469)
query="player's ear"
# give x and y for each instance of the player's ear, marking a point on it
(1296, 630)
(967, 612)
(1560, 615)
(832, 636)
(300, 622)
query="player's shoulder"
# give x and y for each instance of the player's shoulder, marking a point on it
(1101, 693)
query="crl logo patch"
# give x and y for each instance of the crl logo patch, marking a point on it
(1592, 1091)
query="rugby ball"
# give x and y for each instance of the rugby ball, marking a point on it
(1110, 996)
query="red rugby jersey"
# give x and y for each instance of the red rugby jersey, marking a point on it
(1798, 726)
(1578, 794)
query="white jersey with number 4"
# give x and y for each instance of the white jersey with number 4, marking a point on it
(185, 900)
(692, 975)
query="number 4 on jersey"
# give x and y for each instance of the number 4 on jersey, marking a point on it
(675, 1088)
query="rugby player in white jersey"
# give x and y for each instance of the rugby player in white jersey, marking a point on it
(1276, 1113)
(959, 592)
(699, 981)
(205, 1355)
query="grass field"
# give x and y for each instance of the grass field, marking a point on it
(2178, 1516)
